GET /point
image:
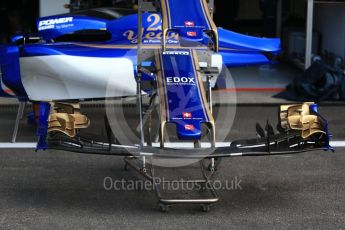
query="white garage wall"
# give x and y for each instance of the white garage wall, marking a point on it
(330, 21)
(53, 7)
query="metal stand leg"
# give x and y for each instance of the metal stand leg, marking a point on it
(20, 114)
(210, 103)
(209, 93)
(23, 110)
(165, 203)
(214, 162)
(140, 106)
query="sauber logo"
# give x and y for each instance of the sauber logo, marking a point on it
(180, 80)
(50, 23)
(189, 23)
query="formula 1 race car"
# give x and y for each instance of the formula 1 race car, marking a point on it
(170, 52)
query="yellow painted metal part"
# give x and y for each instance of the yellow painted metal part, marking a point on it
(67, 118)
(299, 117)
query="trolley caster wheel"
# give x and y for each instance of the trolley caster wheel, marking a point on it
(164, 207)
(215, 166)
(205, 208)
(211, 169)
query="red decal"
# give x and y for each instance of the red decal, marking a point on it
(187, 115)
(8, 91)
(189, 24)
(191, 34)
(189, 127)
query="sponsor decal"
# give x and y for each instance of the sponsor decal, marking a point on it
(154, 37)
(189, 127)
(176, 53)
(153, 32)
(180, 80)
(191, 33)
(187, 115)
(51, 23)
(189, 24)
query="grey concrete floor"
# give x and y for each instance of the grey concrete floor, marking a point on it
(61, 190)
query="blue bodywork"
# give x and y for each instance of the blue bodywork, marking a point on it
(56, 33)
(315, 109)
(42, 125)
(184, 103)
(10, 69)
(236, 49)
(119, 38)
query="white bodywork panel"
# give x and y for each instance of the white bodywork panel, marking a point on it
(62, 77)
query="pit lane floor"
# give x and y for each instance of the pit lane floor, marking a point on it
(61, 190)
